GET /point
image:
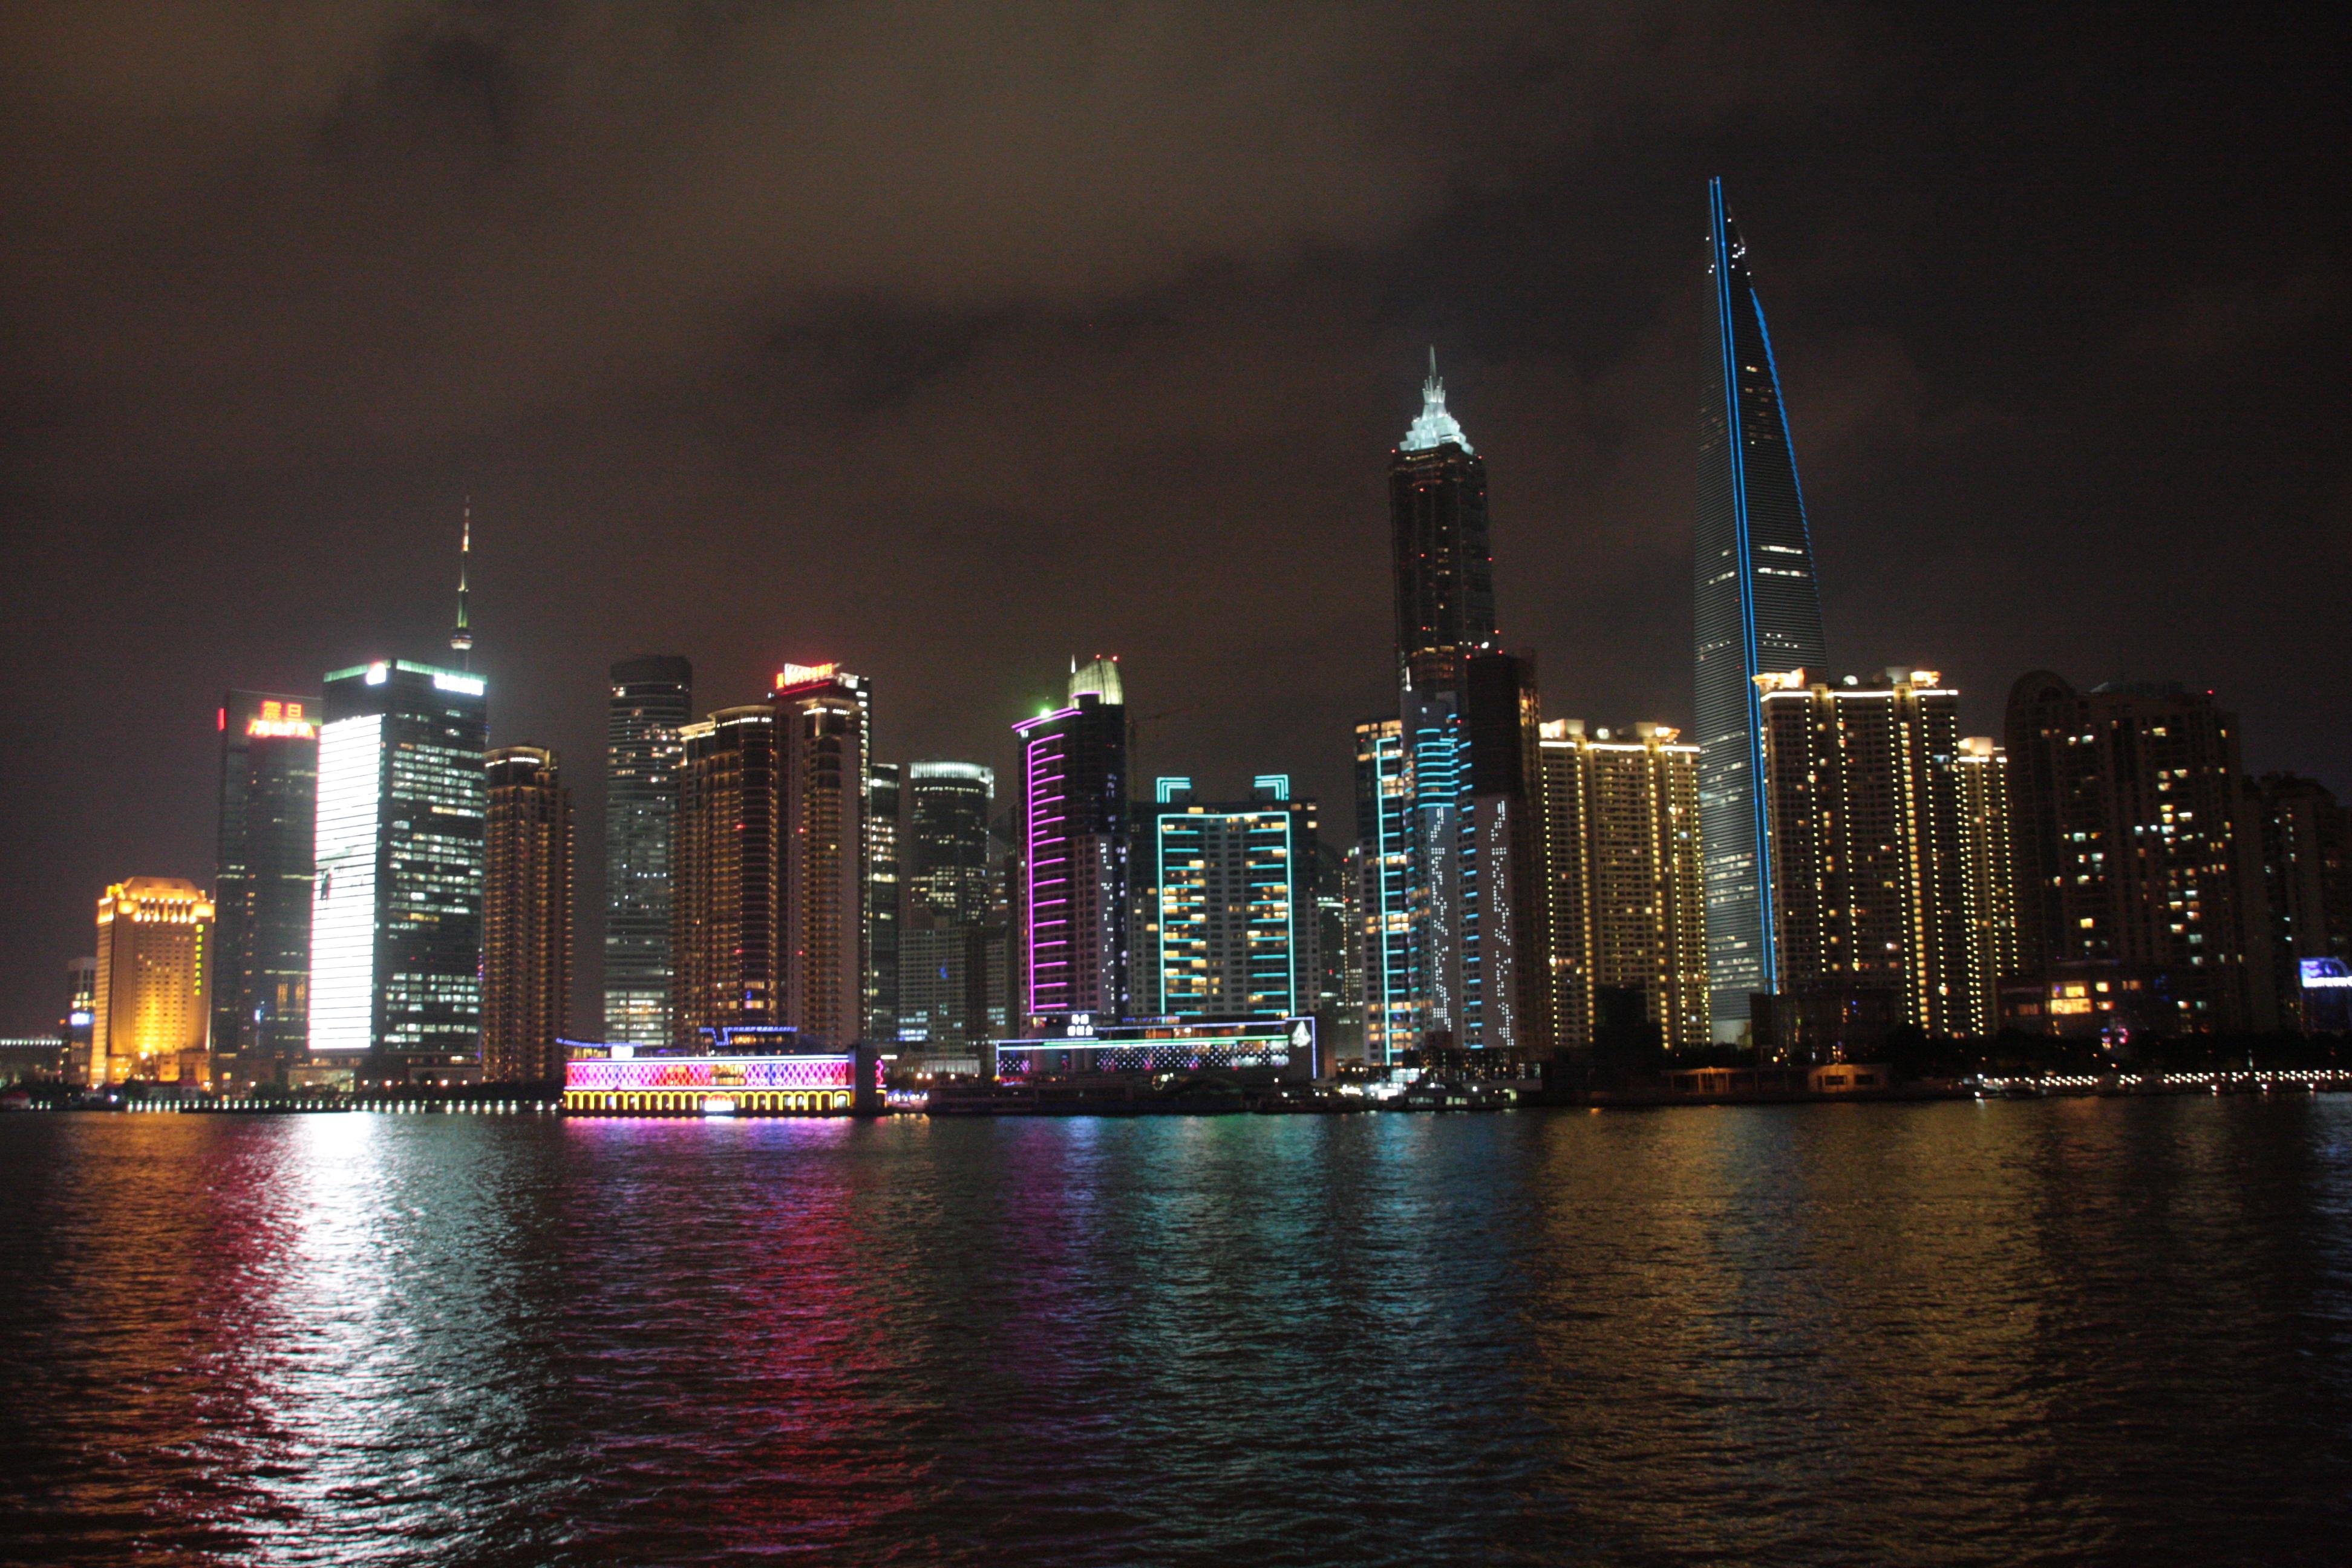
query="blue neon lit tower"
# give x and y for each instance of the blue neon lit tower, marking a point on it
(1232, 896)
(1757, 611)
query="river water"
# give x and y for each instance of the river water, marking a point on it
(2090, 1330)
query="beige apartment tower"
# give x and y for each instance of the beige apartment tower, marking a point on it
(1627, 892)
(154, 1008)
(526, 917)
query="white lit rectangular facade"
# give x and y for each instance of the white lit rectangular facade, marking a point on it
(344, 911)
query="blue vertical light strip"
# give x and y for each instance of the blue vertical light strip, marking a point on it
(1734, 439)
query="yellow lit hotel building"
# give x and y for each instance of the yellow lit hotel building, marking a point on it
(155, 983)
(1627, 892)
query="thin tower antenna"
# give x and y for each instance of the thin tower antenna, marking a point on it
(461, 638)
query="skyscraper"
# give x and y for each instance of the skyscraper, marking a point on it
(2138, 859)
(153, 1000)
(1388, 894)
(1444, 569)
(153, 1006)
(652, 700)
(1862, 797)
(526, 917)
(945, 949)
(268, 810)
(2306, 839)
(1627, 908)
(81, 1023)
(1071, 882)
(1465, 776)
(885, 897)
(1757, 612)
(1233, 904)
(948, 806)
(821, 724)
(1988, 877)
(726, 899)
(1339, 1023)
(1505, 987)
(396, 917)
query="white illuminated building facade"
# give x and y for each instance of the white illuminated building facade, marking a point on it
(397, 928)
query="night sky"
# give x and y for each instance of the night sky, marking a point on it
(954, 340)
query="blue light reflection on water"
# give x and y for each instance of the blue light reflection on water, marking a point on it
(1949, 1332)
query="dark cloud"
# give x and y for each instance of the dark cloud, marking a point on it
(954, 340)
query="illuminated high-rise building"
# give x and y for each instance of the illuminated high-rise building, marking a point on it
(1072, 879)
(2138, 857)
(1757, 612)
(886, 896)
(1444, 569)
(823, 767)
(946, 948)
(1388, 894)
(1465, 747)
(262, 888)
(397, 914)
(526, 917)
(1338, 1023)
(727, 899)
(1231, 904)
(1627, 906)
(82, 1022)
(152, 1014)
(1988, 877)
(948, 809)
(1870, 886)
(651, 700)
(2306, 839)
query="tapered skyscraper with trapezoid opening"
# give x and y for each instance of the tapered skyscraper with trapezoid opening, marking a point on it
(1757, 612)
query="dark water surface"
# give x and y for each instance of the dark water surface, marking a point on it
(2076, 1330)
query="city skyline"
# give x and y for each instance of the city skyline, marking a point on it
(1991, 409)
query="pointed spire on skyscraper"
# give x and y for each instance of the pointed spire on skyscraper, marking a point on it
(1757, 611)
(1435, 426)
(461, 637)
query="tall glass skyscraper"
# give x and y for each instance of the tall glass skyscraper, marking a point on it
(268, 806)
(1445, 567)
(1454, 958)
(886, 899)
(948, 810)
(943, 953)
(652, 700)
(396, 918)
(1757, 613)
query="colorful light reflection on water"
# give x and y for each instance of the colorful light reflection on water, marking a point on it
(1951, 1333)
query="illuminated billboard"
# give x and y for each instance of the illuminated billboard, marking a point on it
(1286, 1047)
(342, 900)
(2325, 974)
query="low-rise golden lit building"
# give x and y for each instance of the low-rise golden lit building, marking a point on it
(153, 1006)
